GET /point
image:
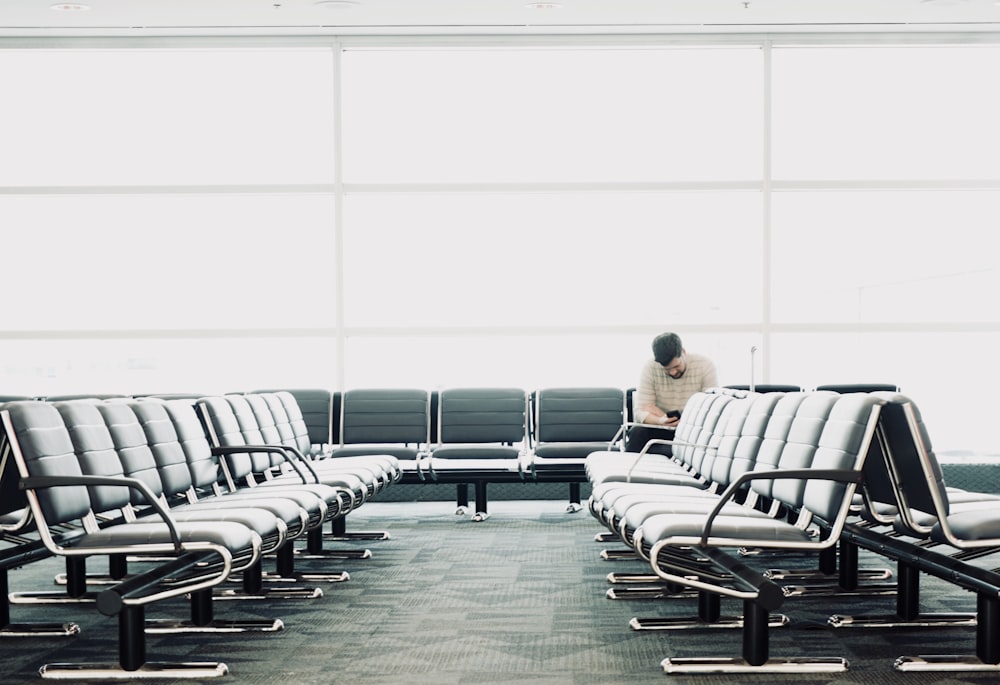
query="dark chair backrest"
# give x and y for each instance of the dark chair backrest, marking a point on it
(384, 416)
(914, 479)
(482, 415)
(592, 414)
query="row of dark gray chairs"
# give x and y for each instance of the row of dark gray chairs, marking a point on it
(793, 472)
(477, 436)
(139, 482)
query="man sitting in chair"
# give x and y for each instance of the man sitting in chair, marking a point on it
(666, 383)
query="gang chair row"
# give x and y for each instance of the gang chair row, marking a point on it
(476, 436)
(793, 473)
(145, 485)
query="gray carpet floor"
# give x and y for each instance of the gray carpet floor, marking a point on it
(518, 598)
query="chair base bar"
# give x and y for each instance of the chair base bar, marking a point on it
(185, 670)
(833, 590)
(92, 579)
(54, 597)
(778, 665)
(270, 594)
(377, 535)
(306, 577)
(944, 663)
(634, 578)
(645, 592)
(169, 627)
(618, 554)
(605, 537)
(767, 552)
(864, 575)
(651, 591)
(682, 623)
(936, 620)
(339, 554)
(39, 630)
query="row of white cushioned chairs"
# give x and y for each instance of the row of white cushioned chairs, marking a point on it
(755, 476)
(183, 498)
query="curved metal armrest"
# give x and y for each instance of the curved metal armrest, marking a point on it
(618, 439)
(33, 482)
(298, 462)
(839, 475)
(422, 456)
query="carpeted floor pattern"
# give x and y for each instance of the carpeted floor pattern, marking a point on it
(519, 598)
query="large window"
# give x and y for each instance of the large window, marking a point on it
(886, 178)
(878, 257)
(886, 112)
(552, 115)
(168, 261)
(213, 215)
(161, 116)
(552, 259)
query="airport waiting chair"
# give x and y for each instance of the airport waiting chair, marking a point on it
(74, 492)
(394, 421)
(569, 424)
(482, 437)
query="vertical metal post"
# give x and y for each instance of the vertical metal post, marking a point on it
(755, 633)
